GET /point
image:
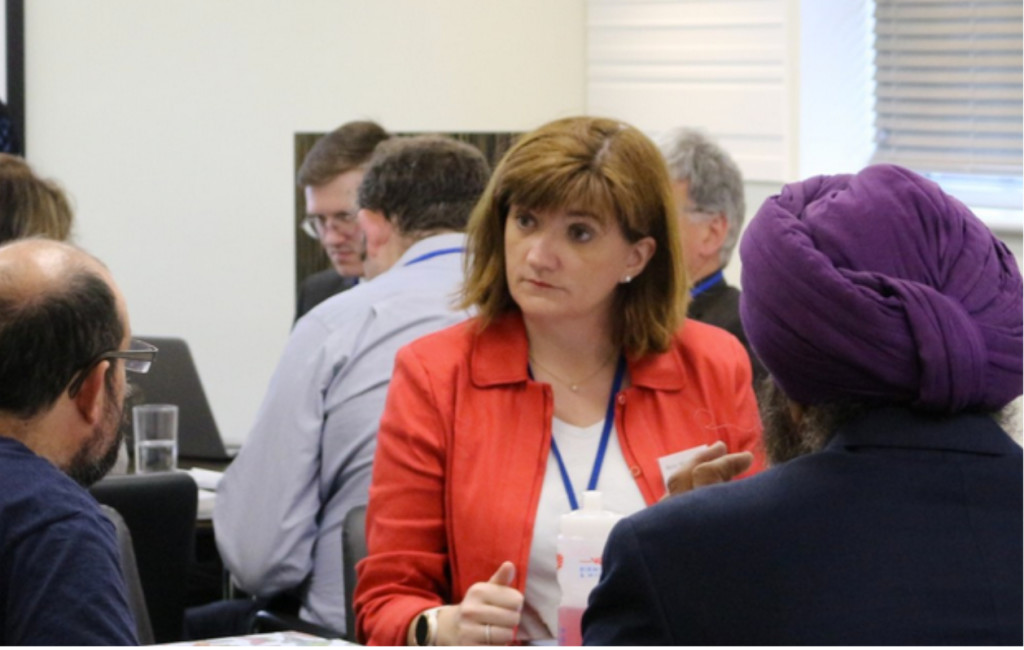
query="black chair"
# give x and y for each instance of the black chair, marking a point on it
(160, 511)
(132, 583)
(353, 549)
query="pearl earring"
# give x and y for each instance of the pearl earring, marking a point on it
(627, 279)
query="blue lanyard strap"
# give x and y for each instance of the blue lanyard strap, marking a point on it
(437, 253)
(706, 284)
(602, 446)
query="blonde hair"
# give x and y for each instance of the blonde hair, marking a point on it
(30, 206)
(598, 165)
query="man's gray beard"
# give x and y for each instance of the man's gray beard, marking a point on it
(85, 467)
(784, 438)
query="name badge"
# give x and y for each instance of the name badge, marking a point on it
(671, 463)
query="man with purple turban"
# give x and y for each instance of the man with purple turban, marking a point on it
(890, 320)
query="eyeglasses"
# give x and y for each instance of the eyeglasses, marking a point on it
(137, 358)
(700, 214)
(316, 225)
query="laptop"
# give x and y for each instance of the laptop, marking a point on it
(173, 379)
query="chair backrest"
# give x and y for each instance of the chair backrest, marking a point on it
(160, 511)
(353, 549)
(174, 379)
(132, 583)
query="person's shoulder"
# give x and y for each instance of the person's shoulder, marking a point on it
(387, 303)
(694, 332)
(730, 294)
(320, 286)
(446, 343)
(25, 474)
(722, 309)
(703, 342)
(716, 509)
(344, 309)
(327, 280)
(35, 494)
(443, 356)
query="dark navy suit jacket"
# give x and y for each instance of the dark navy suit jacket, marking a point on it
(905, 529)
(719, 305)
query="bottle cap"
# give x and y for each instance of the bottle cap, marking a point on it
(591, 520)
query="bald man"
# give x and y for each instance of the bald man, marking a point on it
(64, 349)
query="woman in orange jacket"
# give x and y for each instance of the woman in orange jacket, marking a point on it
(576, 374)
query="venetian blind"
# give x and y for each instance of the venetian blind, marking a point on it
(720, 65)
(949, 85)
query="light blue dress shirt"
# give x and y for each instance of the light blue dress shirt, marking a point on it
(308, 459)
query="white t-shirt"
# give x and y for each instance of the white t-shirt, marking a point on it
(620, 493)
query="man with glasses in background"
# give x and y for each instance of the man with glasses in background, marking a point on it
(708, 189)
(64, 349)
(330, 176)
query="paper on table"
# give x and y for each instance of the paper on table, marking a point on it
(204, 508)
(289, 638)
(206, 479)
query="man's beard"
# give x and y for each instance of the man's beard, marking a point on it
(784, 438)
(92, 462)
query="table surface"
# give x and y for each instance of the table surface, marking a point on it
(268, 639)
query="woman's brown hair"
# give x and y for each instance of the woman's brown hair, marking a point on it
(30, 206)
(599, 165)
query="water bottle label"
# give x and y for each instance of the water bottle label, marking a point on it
(590, 568)
(584, 568)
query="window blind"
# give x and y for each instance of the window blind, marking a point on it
(948, 96)
(720, 65)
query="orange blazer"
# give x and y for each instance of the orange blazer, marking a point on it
(463, 446)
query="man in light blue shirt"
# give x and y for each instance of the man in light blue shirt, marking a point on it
(308, 459)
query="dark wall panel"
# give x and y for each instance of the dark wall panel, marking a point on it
(309, 255)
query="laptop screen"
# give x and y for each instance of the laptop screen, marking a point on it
(174, 379)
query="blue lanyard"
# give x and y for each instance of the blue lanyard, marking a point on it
(437, 253)
(609, 419)
(708, 282)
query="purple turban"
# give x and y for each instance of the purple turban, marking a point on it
(879, 285)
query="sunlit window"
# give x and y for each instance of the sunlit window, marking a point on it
(948, 98)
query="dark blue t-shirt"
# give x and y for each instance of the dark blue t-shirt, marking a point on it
(60, 579)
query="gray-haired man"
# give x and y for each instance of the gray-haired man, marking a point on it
(708, 188)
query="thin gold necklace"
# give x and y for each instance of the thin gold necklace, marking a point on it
(574, 386)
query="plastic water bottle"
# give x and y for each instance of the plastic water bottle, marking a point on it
(581, 541)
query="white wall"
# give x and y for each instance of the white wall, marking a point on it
(171, 124)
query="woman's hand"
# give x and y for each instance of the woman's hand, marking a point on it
(710, 466)
(488, 615)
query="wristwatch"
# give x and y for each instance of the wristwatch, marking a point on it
(425, 627)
